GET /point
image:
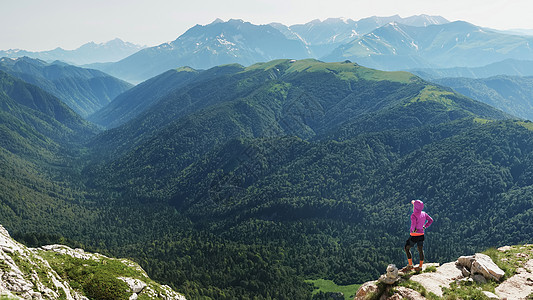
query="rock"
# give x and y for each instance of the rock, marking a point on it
(479, 278)
(434, 281)
(504, 248)
(395, 297)
(26, 274)
(135, 285)
(465, 280)
(391, 276)
(366, 290)
(465, 272)
(519, 286)
(466, 261)
(410, 294)
(484, 265)
(490, 295)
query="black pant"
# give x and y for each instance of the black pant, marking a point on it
(419, 241)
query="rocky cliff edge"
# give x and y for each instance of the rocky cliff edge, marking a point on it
(59, 272)
(503, 273)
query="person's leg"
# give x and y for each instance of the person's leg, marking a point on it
(420, 247)
(407, 248)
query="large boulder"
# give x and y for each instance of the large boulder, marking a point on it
(466, 261)
(484, 265)
(480, 264)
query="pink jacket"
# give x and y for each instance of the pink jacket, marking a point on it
(419, 219)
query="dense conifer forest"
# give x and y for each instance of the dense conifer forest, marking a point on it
(245, 182)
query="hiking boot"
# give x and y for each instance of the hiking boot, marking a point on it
(407, 268)
(418, 269)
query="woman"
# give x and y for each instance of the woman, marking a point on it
(420, 220)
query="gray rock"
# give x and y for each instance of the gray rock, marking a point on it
(484, 265)
(465, 272)
(490, 295)
(135, 285)
(366, 290)
(410, 294)
(434, 281)
(504, 248)
(518, 286)
(391, 276)
(479, 278)
(465, 280)
(465, 261)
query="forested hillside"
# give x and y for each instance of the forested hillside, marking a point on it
(83, 90)
(245, 181)
(39, 151)
(512, 94)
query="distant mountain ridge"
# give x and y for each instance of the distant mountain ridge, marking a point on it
(511, 94)
(88, 53)
(397, 46)
(509, 67)
(386, 43)
(202, 47)
(83, 90)
(324, 36)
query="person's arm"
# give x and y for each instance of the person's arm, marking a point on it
(429, 221)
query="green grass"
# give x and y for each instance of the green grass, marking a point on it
(468, 290)
(97, 279)
(419, 288)
(508, 261)
(435, 94)
(343, 70)
(430, 269)
(526, 124)
(325, 286)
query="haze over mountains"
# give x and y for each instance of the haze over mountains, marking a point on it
(388, 43)
(83, 90)
(228, 178)
(89, 53)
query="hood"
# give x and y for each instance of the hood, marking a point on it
(418, 206)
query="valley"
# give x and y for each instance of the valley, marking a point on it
(254, 178)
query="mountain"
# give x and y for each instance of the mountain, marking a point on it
(322, 37)
(59, 272)
(307, 162)
(239, 83)
(39, 146)
(110, 51)
(83, 90)
(28, 105)
(244, 182)
(511, 94)
(510, 67)
(396, 46)
(200, 47)
(134, 101)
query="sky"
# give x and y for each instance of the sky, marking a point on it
(38, 25)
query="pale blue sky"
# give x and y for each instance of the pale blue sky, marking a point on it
(46, 24)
